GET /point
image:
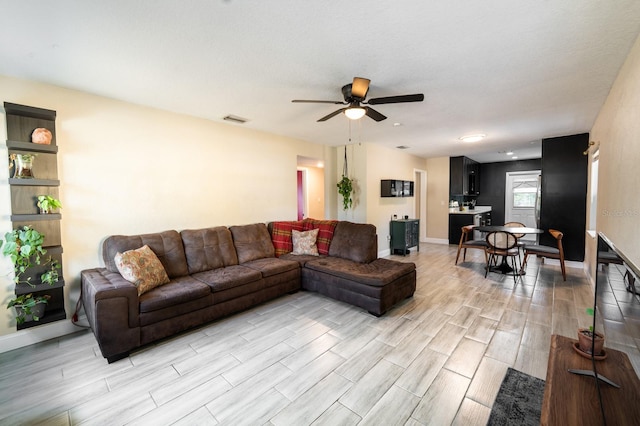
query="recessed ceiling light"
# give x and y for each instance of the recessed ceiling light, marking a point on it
(515, 157)
(402, 147)
(473, 138)
(509, 152)
(397, 124)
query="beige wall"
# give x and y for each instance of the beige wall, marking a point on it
(438, 198)
(128, 169)
(617, 130)
(385, 163)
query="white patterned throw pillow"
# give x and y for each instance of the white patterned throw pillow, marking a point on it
(305, 242)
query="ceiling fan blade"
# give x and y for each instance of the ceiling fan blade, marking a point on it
(307, 101)
(418, 97)
(333, 114)
(360, 87)
(372, 113)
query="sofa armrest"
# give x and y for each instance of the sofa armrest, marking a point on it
(112, 308)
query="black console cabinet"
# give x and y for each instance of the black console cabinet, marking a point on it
(404, 235)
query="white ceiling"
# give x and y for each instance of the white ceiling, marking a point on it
(518, 71)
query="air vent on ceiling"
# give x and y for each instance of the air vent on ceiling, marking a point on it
(235, 119)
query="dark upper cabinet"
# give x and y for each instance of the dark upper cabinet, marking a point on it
(464, 176)
(396, 188)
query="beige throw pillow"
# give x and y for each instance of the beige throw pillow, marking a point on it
(305, 242)
(142, 268)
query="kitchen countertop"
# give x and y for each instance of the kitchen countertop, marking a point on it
(477, 210)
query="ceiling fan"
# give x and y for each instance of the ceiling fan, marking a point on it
(354, 95)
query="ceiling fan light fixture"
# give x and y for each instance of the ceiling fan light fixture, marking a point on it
(473, 138)
(355, 113)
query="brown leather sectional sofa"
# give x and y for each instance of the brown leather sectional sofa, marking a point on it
(217, 271)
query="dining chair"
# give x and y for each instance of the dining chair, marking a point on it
(466, 243)
(521, 243)
(549, 252)
(505, 245)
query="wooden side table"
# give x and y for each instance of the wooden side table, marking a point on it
(571, 399)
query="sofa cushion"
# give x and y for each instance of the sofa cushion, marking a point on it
(305, 242)
(228, 277)
(281, 235)
(272, 266)
(252, 242)
(208, 248)
(142, 268)
(377, 273)
(354, 241)
(178, 291)
(326, 230)
(302, 259)
(166, 245)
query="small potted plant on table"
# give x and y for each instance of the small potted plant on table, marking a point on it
(588, 338)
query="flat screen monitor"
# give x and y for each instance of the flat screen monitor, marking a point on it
(613, 271)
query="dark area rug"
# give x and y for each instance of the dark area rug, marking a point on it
(519, 400)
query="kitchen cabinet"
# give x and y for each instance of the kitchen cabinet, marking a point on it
(563, 206)
(404, 235)
(464, 176)
(480, 216)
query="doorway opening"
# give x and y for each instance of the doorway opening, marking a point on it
(420, 202)
(310, 188)
(521, 199)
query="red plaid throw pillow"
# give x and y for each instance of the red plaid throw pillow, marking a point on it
(281, 236)
(325, 232)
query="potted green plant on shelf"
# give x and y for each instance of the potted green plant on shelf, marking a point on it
(24, 247)
(47, 204)
(29, 308)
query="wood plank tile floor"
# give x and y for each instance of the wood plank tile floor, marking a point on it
(304, 359)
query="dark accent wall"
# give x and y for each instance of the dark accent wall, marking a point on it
(564, 192)
(493, 179)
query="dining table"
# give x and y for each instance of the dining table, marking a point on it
(504, 266)
(509, 229)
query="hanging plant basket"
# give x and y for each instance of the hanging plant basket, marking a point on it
(345, 186)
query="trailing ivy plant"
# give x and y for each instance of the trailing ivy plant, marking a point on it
(23, 246)
(25, 304)
(345, 188)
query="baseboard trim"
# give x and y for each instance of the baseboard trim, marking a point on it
(435, 240)
(384, 253)
(567, 263)
(37, 334)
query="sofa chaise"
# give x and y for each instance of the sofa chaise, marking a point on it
(214, 272)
